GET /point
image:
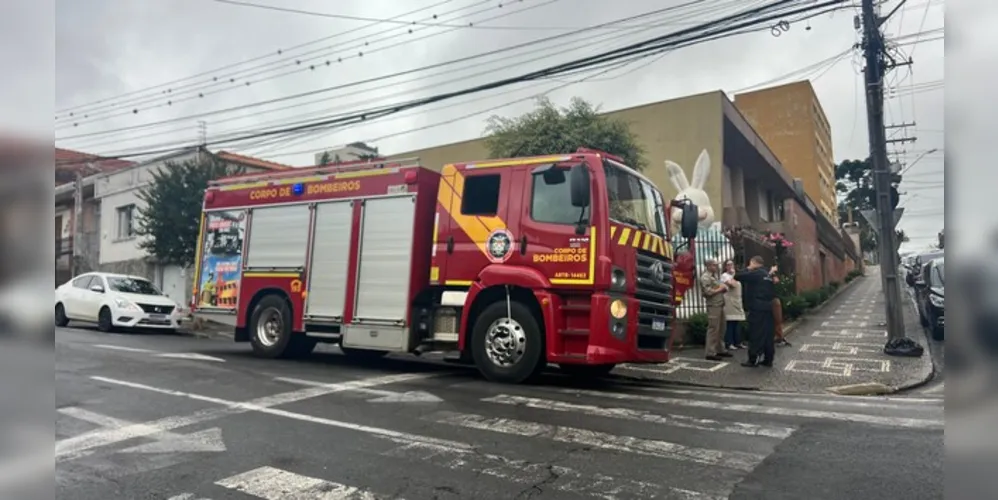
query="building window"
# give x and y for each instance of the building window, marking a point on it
(126, 222)
(481, 195)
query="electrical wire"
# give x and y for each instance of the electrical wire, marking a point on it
(364, 81)
(356, 51)
(749, 18)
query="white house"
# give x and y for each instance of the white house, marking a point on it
(118, 196)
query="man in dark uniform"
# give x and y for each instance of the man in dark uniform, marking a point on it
(758, 294)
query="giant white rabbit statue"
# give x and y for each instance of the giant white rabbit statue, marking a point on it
(709, 233)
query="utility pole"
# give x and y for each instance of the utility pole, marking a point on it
(74, 263)
(873, 45)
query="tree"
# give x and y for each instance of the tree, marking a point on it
(168, 221)
(549, 130)
(324, 159)
(853, 179)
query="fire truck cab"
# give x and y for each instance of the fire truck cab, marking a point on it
(513, 264)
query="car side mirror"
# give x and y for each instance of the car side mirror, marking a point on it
(97, 289)
(579, 178)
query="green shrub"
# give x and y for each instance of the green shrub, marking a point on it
(696, 329)
(794, 307)
(835, 285)
(811, 297)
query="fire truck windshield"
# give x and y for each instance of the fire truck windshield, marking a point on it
(633, 200)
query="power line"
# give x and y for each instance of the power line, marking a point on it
(600, 41)
(299, 64)
(720, 28)
(369, 80)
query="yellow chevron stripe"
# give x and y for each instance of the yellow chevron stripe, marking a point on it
(625, 233)
(449, 197)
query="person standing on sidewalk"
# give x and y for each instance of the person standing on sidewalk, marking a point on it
(713, 293)
(734, 312)
(760, 287)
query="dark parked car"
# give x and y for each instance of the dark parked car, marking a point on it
(930, 296)
(917, 263)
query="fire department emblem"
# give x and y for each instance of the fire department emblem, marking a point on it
(499, 245)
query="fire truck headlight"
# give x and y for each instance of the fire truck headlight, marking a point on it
(618, 280)
(618, 309)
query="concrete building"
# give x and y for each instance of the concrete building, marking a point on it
(351, 152)
(109, 209)
(747, 185)
(792, 122)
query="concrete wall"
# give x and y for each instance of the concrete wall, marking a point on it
(791, 121)
(676, 130)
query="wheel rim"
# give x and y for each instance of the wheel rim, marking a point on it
(505, 342)
(268, 328)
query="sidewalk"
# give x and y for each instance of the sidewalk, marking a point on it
(842, 344)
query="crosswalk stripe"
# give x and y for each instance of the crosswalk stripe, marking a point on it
(823, 400)
(520, 471)
(270, 483)
(913, 423)
(651, 447)
(683, 421)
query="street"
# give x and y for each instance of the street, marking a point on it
(143, 416)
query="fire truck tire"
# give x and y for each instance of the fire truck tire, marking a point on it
(270, 329)
(587, 371)
(508, 350)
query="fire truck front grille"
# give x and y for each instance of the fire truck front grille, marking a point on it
(653, 290)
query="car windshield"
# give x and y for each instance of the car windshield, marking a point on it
(634, 201)
(132, 285)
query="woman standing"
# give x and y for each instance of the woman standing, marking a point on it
(734, 312)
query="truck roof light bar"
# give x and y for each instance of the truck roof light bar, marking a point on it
(316, 170)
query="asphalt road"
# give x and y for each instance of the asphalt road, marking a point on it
(169, 417)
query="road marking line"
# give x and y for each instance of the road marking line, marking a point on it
(913, 423)
(70, 448)
(519, 471)
(383, 395)
(683, 421)
(270, 483)
(93, 417)
(650, 447)
(190, 355)
(123, 348)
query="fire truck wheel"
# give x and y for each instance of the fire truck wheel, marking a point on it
(270, 328)
(508, 349)
(587, 371)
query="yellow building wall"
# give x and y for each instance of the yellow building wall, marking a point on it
(790, 119)
(676, 130)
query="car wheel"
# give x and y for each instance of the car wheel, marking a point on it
(587, 371)
(104, 322)
(508, 349)
(60, 316)
(938, 333)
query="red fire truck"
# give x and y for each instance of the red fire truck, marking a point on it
(512, 264)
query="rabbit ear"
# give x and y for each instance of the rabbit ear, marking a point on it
(702, 170)
(677, 176)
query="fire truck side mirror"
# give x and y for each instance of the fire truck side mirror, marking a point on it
(579, 179)
(690, 221)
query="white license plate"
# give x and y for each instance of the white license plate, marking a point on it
(157, 316)
(658, 324)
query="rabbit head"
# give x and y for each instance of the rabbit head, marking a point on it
(692, 191)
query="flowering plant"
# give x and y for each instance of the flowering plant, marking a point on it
(778, 241)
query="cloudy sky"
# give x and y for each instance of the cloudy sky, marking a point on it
(138, 73)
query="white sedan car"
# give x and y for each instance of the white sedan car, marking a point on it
(115, 301)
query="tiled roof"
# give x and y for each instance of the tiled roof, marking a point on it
(68, 162)
(251, 161)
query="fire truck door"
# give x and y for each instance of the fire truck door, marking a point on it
(547, 223)
(472, 227)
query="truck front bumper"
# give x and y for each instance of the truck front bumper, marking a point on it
(636, 337)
